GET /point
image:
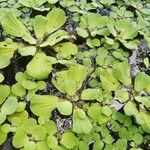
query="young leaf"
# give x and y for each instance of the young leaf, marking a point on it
(65, 108)
(13, 26)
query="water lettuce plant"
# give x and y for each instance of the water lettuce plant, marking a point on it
(74, 75)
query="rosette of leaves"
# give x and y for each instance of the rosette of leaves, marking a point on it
(125, 31)
(141, 115)
(93, 24)
(120, 13)
(29, 135)
(47, 33)
(70, 81)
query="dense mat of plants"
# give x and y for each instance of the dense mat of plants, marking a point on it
(75, 74)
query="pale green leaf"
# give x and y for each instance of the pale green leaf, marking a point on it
(5, 90)
(81, 124)
(28, 50)
(65, 50)
(69, 140)
(13, 26)
(6, 53)
(55, 19)
(65, 108)
(43, 105)
(10, 105)
(40, 59)
(52, 142)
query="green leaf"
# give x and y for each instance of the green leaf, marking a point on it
(91, 94)
(21, 107)
(80, 120)
(55, 38)
(55, 19)
(121, 71)
(6, 53)
(1, 77)
(3, 137)
(142, 82)
(39, 24)
(41, 145)
(18, 90)
(10, 105)
(109, 82)
(5, 91)
(126, 29)
(130, 108)
(143, 118)
(121, 144)
(18, 118)
(52, 142)
(98, 145)
(40, 59)
(30, 146)
(13, 26)
(69, 140)
(82, 32)
(106, 110)
(2, 117)
(70, 81)
(20, 138)
(144, 100)
(121, 95)
(28, 50)
(43, 105)
(65, 50)
(65, 108)
(38, 132)
(138, 138)
(29, 85)
(50, 127)
(94, 111)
